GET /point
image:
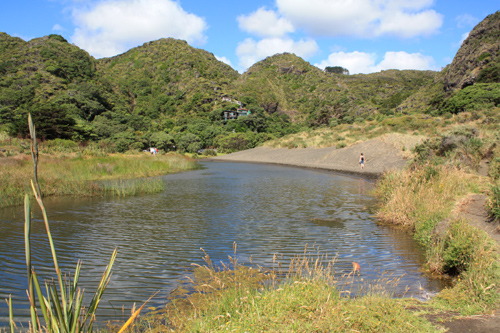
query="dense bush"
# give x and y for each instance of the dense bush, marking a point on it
(162, 140)
(233, 142)
(473, 98)
(189, 142)
(459, 147)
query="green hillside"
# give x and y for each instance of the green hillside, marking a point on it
(288, 84)
(166, 93)
(166, 78)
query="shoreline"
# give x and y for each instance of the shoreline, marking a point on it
(381, 157)
(371, 176)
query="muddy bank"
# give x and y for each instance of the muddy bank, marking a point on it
(380, 157)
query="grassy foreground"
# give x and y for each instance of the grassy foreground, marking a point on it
(304, 296)
(83, 175)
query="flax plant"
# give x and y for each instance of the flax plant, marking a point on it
(62, 304)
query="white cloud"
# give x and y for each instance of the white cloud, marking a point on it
(57, 27)
(466, 20)
(224, 60)
(361, 62)
(265, 23)
(363, 18)
(410, 25)
(112, 27)
(250, 51)
(403, 60)
(464, 37)
(356, 62)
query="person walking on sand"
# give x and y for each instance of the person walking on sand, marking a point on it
(362, 161)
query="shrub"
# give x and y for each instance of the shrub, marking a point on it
(494, 170)
(333, 122)
(472, 98)
(209, 152)
(189, 142)
(489, 74)
(494, 201)
(161, 140)
(193, 147)
(484, 56)
(341, 145)
(348, 120)
(233, 142)
(458, 248)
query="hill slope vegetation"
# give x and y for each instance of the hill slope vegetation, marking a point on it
(168, 94)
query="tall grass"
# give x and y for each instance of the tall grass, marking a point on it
(470, 255)
(422, 199)
(306, 295)
(419, 198)
(83, 176)
(131, 187)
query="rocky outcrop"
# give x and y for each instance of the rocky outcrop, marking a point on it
(479, 50)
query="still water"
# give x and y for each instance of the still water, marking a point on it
(265, 209)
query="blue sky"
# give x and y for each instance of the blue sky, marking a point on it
(363, 36)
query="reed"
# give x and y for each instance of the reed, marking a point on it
(61, 302)
(131, 187)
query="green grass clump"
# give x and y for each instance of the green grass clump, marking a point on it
(83, 176)
(471, 256)
(306, 296)
(305, 305)
(131, 187)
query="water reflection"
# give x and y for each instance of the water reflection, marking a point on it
(264, 209)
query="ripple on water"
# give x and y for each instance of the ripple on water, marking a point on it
(264, 209)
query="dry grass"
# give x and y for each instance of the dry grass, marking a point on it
(304, 295)
(425, 200)
(428, 193)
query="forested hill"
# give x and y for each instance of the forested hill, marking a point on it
(165, 78)
(168, 93)
(287, 84)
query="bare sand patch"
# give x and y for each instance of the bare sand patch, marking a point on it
(382, 154)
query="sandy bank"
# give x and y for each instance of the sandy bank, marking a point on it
(380, 157)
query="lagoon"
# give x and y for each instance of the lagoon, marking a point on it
(264, 209)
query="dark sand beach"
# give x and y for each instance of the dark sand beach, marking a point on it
(380, 157)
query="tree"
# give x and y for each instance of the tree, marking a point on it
(51, 121)
(189, 142)
(233, 142)
(337, 70)
(161, 140)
